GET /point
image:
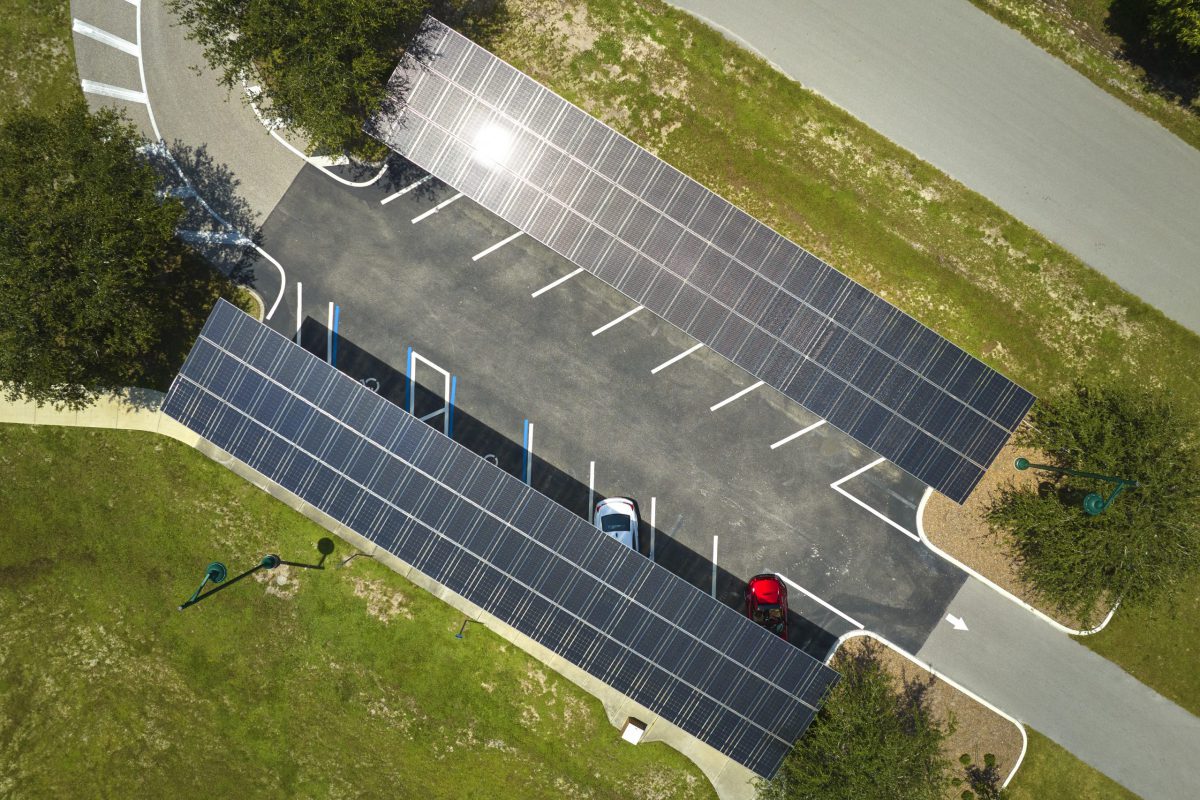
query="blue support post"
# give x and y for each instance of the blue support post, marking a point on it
(525, 455)
(337, 313)
(450, 406)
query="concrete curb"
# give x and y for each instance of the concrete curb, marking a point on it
(997, 587)
(950, 681)
(320, 162)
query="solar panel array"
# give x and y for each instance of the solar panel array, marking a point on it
(699, 262)
(474, 528)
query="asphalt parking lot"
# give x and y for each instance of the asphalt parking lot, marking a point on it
(554, 377)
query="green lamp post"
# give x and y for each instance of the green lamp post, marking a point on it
(1094, 503)
(216, 573)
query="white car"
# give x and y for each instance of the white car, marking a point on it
(617, 517)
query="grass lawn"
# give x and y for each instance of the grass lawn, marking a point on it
(1050, 772)
(338, 683)
(1160, 645)
(37, 55)
(1075, 32)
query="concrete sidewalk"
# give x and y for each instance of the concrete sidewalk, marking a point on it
(130, 409)
(1079, 699)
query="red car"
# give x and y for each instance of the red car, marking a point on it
(766, 603)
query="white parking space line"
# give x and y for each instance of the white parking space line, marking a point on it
(652, 515)
(104, 37)
(107, 90)
(436, 208)
(497, 246)
(797, 434)
(299, 309)
(591, 489)
(742, 393)
(621, 318)
(679, 357)
(837, 487)
(404, 191)
(714, 574)
(558, 282)
(800, 588)
(857, 472)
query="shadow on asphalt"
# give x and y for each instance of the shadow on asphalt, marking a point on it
(547, 478)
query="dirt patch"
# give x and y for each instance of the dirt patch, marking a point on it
(280, 582)
(978, 729)
(382, 603)
(964, 533)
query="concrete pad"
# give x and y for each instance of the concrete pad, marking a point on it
(104, 64)
(201, 114)
(136, 113)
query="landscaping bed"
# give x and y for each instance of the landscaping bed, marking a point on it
(977, 730)
(963, 533)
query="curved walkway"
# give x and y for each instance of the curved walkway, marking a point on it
(983, 104)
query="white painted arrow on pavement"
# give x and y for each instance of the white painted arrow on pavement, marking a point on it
(957, 622)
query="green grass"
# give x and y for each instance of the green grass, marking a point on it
(1160, 645)
(1074, 31)
(946, 255)
(106, 690)
(37, 55)
(1051, 772)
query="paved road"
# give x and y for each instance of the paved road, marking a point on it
(981, 103)
(1082, 701)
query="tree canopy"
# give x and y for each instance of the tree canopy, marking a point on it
(1148, 540)
(97, 291)
(872, 738)
(322, 65)
(1173, 29)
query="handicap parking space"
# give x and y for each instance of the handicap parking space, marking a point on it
(615, 403)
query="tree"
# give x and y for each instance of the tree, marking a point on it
(872, 738)
(1148, 540)
(1173, 30)
(322, 65)
(97, 292)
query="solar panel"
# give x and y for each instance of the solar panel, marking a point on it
(699, 262)
(510, 550)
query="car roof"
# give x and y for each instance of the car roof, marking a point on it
(766, 588)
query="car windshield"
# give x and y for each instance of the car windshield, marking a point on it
(765, 614)
(611, 523)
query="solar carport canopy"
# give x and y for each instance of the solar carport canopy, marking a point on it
(772, 308)
(479, 531)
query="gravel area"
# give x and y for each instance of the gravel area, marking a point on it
(978, 729)
(963, 531)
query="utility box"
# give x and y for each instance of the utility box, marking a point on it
(634, 730)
